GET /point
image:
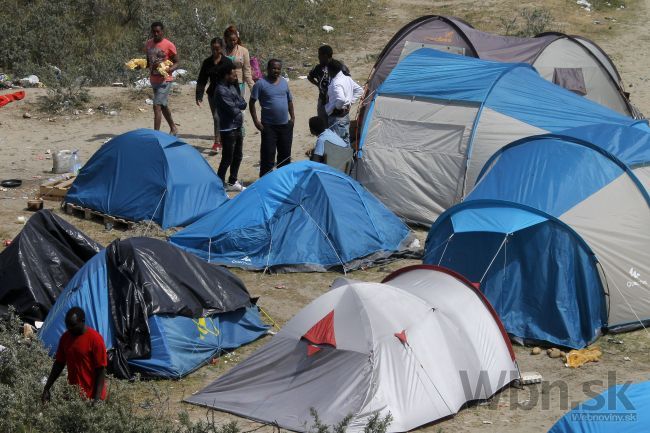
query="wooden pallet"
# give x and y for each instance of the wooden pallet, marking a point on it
(89, 214)
(57, 189)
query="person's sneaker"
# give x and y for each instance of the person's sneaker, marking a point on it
(235, 186)
(216, 147)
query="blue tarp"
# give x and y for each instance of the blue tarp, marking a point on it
(178, 344)
(146, 174)
(621, 408)
(304, 216)
(536, 272)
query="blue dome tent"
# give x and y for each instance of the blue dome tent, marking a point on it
(148, 175)
(160, 309)
(303, 217)
(438, 117)
(556, 233)
(621, 408)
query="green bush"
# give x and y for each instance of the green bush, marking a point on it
(96, 37)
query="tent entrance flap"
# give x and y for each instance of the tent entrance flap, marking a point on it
(427, 137)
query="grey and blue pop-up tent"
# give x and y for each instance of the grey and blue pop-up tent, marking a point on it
(305, 216)
(162, 312)
(620, 409)
(438, 117)
(147, 175)
(556, 233)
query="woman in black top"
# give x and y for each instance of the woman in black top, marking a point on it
(208, 72)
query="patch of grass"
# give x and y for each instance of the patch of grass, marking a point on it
(97, 37)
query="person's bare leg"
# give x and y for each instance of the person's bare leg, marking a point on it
(157, 117)
(168, 117)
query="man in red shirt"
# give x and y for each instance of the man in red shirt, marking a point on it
(160, 50)
(83, 351)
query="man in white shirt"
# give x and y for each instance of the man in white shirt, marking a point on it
(341, 94)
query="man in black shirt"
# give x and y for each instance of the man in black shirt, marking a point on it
(319, 77)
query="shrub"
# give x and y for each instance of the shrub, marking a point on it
(98, 36)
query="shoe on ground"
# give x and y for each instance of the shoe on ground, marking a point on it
(235, 186)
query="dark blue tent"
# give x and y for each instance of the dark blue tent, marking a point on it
(303, 217)
(556, 232)
(191, 310)
(621, 408)
(148, 175)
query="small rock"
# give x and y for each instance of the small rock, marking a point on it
(536, 351)
(27, 115)
(555, 353)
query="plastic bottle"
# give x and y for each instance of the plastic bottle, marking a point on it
(76, 163)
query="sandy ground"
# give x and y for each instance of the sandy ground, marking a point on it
(23, 146)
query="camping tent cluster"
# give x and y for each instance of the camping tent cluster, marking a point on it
(538, 201)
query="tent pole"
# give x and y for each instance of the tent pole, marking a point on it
(495, 257)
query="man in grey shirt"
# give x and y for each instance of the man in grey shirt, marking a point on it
(276, 125)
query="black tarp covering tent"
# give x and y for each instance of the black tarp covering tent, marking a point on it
(141, 294)
(40, 261)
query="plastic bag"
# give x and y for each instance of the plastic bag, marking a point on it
(256, 71)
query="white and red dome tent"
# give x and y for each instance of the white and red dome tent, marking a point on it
(418, 346)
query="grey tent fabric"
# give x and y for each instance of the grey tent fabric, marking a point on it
(455, 35)
(338, 157)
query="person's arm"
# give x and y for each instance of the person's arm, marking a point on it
(357, 91)
(311, 77)
(292, 116)
(251, 108)
(100, 377)
(173, 56)
(57, 369)
(317, 158)
(201, 81)
(246, 69)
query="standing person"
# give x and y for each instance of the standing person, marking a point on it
(229, 105)
(83, 351)
(319, 76)
(159, 50)
(240, 57)
(342, 92)
(278, 117)
(208, 72)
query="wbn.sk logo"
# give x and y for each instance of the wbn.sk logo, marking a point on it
(546, 394)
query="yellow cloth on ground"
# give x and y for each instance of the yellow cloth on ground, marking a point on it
(577, 358)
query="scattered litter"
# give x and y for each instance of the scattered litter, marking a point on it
(627, 358)
(487, 422)
(112, 113)
(192, 83)
(328, 29)
(117, 84)
(179, 73)
(76, 112)
(142, 83)
(2, 348)
(38, 324)
(530, 377)
(614, 341)
(280, 286)
(536, 351)
(577, 358)
(148, 101)
(136, 64)
(11, 183)
(142, 109)
(302, 77)
(20, 219)
(90, 112)
(27, 115)
(30, 81)
(414, 244)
